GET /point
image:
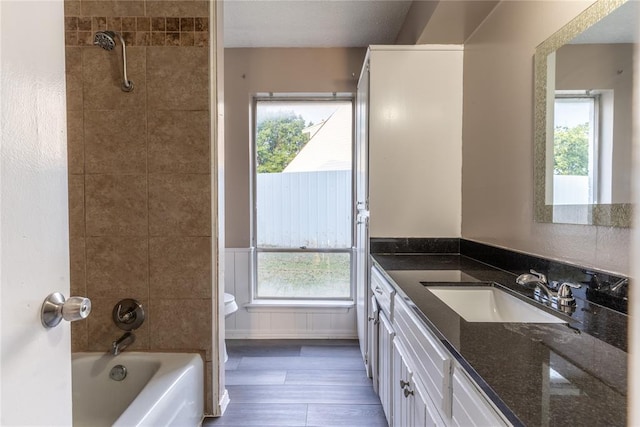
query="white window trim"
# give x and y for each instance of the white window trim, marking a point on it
(269, 303)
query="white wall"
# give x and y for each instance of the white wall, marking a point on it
(34, 256)
(279, 322)
(497, 176)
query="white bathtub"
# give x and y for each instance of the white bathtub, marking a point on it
(160, 389)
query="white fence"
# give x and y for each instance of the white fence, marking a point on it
(311, 209)
(570, 190)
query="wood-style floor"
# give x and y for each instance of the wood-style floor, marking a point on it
(318, 383)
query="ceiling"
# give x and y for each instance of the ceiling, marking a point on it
(312, 23)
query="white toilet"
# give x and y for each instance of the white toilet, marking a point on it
(230, 307)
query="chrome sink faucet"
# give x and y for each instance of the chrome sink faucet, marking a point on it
(563, 297)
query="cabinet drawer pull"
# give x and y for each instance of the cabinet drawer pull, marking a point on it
(408, 392)
(404, 384)
(378, 290)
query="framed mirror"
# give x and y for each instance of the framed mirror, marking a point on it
(583, 118)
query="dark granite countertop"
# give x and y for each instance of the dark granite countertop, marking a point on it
(572, 373)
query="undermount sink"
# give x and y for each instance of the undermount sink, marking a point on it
(490, 304)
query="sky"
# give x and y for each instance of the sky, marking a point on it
(313, 112)
(573, 113)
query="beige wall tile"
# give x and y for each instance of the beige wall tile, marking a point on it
(116, 205)
(72, 7)
(112, 8)
(180, 205)
(118, 266)
(73, 69)
(114, 23)
(178, 78)
(180, 267)
(84, 23)
(98, 23)
(102, 79)
(75, 142)
(77, 266)
(71, 38)
(79, 336)
(179, 141)
(76, 205)
(177, 8)
(201, 39)
(115, 142)
(102, 331)
(181, 324)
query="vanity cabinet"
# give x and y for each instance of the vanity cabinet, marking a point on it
(469, 406)
(385, 360)
(381, 339)
(411, 403)
(426, 368)
(419, 382)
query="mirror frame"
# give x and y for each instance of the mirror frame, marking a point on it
(613, 215)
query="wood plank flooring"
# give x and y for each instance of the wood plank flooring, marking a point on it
(298, 383)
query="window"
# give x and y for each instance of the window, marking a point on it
(302, 180)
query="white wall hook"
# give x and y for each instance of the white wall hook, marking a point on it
(55, 308)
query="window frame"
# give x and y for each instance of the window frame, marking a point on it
(255, 249)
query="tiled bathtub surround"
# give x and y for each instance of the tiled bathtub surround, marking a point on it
(139, 172)
(139, 30)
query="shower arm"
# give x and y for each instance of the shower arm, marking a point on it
(127, 85)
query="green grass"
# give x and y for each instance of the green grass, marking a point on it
(304, 275)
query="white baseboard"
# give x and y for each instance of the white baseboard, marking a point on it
(293, 334)
(224, 402)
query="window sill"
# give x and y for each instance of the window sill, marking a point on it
(306, 306)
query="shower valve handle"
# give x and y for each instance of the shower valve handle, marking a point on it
(128, 314)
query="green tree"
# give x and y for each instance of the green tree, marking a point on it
(571, 150)
(278, 141)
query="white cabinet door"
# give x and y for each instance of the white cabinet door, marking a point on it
(412, 406)
(424, 411)
(374, 350)
(402, 403)
(470, 406)
(385, 364)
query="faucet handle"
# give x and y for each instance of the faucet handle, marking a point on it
(540, 276)
(128, 314)
(564, 290)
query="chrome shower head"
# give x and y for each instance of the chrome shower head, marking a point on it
(105, 39)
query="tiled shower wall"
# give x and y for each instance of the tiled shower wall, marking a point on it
(139, 172)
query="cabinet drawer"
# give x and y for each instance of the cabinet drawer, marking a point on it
(430, 361)
(383, 292)
(470, 406)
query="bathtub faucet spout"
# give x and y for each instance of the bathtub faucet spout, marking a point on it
(123, 342)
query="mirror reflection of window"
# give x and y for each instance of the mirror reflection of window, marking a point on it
(575, 146)
(583, 147)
